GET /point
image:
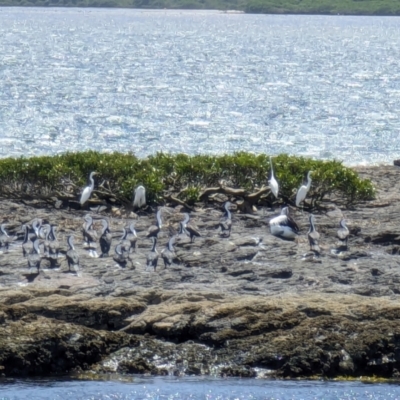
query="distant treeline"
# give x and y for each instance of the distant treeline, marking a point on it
(345, 7)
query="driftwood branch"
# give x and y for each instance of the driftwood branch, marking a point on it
(175, 200)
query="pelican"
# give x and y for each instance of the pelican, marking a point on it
(105, 239)
(154, 229)
(121, 256)
(190, 228)
(273, 184)
(168, 253)
(226, 221)
(90, 235)
(303, 190)
(343, 232)
(139, 199)
(54, 245)
(152, 257)
(4, 238)
(36, 225)
(34, 258)
(72, 255)
(313, 237)
(125, 243)
(27, 244)
(88, 190)
(45, 231)
(284, 225)
(132, 236)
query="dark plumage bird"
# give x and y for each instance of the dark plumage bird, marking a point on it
(132, 236)
(72, 255)
(125, 243)
(152, 257)
(90, 235)
(34, 258)
(105, 239)
(343, 233)
(225, 222)
(190, 228)
(4, 238)
(313, 237)
(27, 244)
(284, 225)
(44, 233)
(54, 245)
(154, 229)
(121, 256)
(168, 253)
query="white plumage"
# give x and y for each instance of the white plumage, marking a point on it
(88, 189)
(139, 199)
(303, 190)
(283, 225)
(273, 184)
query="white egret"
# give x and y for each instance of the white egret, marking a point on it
(87, 192)
(273, 184)
(303, 190)
(139, 199)
(284, 225)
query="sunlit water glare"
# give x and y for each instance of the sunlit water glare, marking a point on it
(199, 82)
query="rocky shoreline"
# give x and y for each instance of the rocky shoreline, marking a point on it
(250, 305)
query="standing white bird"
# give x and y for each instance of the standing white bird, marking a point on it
(139, 199)
(303, 190)
(88, 189)
(273, 184)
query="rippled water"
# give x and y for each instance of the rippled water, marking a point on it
(197, 389)
(195, 81)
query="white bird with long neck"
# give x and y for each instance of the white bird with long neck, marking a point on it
(303, 190)
(139, 198)
(87, 192)
(273, 184)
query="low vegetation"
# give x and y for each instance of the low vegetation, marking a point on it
(343, 7)
(178, 178)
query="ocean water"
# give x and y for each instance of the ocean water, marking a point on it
(199, 81)
(195, 389)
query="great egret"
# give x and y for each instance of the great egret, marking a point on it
(152, 257)
(225, 222)
(88, 189)
(303, 190)
(284, 225)
(343, 232)
(273, 184)
(313, 237)
(154, 229)
(72, 255)
(168, 253)
(105, 239)
(139, 198)
(190, 228)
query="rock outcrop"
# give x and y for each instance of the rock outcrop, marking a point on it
(248, 305)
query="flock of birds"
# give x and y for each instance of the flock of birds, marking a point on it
(40, 240)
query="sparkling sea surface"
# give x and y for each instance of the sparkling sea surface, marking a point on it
(199, 82)
(196, 389)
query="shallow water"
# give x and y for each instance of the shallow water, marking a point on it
(199, 81)
(195, 389)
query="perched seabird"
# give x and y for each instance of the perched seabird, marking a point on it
(44, 233)
(190, 228)
(34, 258)
(72, 255)
(4, 238)
(36, 225)
(225, 222)
(273, 184)
(88, 190)
(313, 237)
(139, 199)
(168, 253)
(124, 242)
(303, 190)
(54, 245)
(27, 244)
(105, 239)
(152, 257)
(132, 236)
(121, 256)
(284, 225)
(90, 235)
(154, 229)
(343, 233)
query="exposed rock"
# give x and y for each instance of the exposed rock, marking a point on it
(248, 305)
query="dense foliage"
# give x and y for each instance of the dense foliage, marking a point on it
(183, 176)
(345, 7)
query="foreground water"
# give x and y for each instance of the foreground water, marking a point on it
(196, 389)
(195, 81)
